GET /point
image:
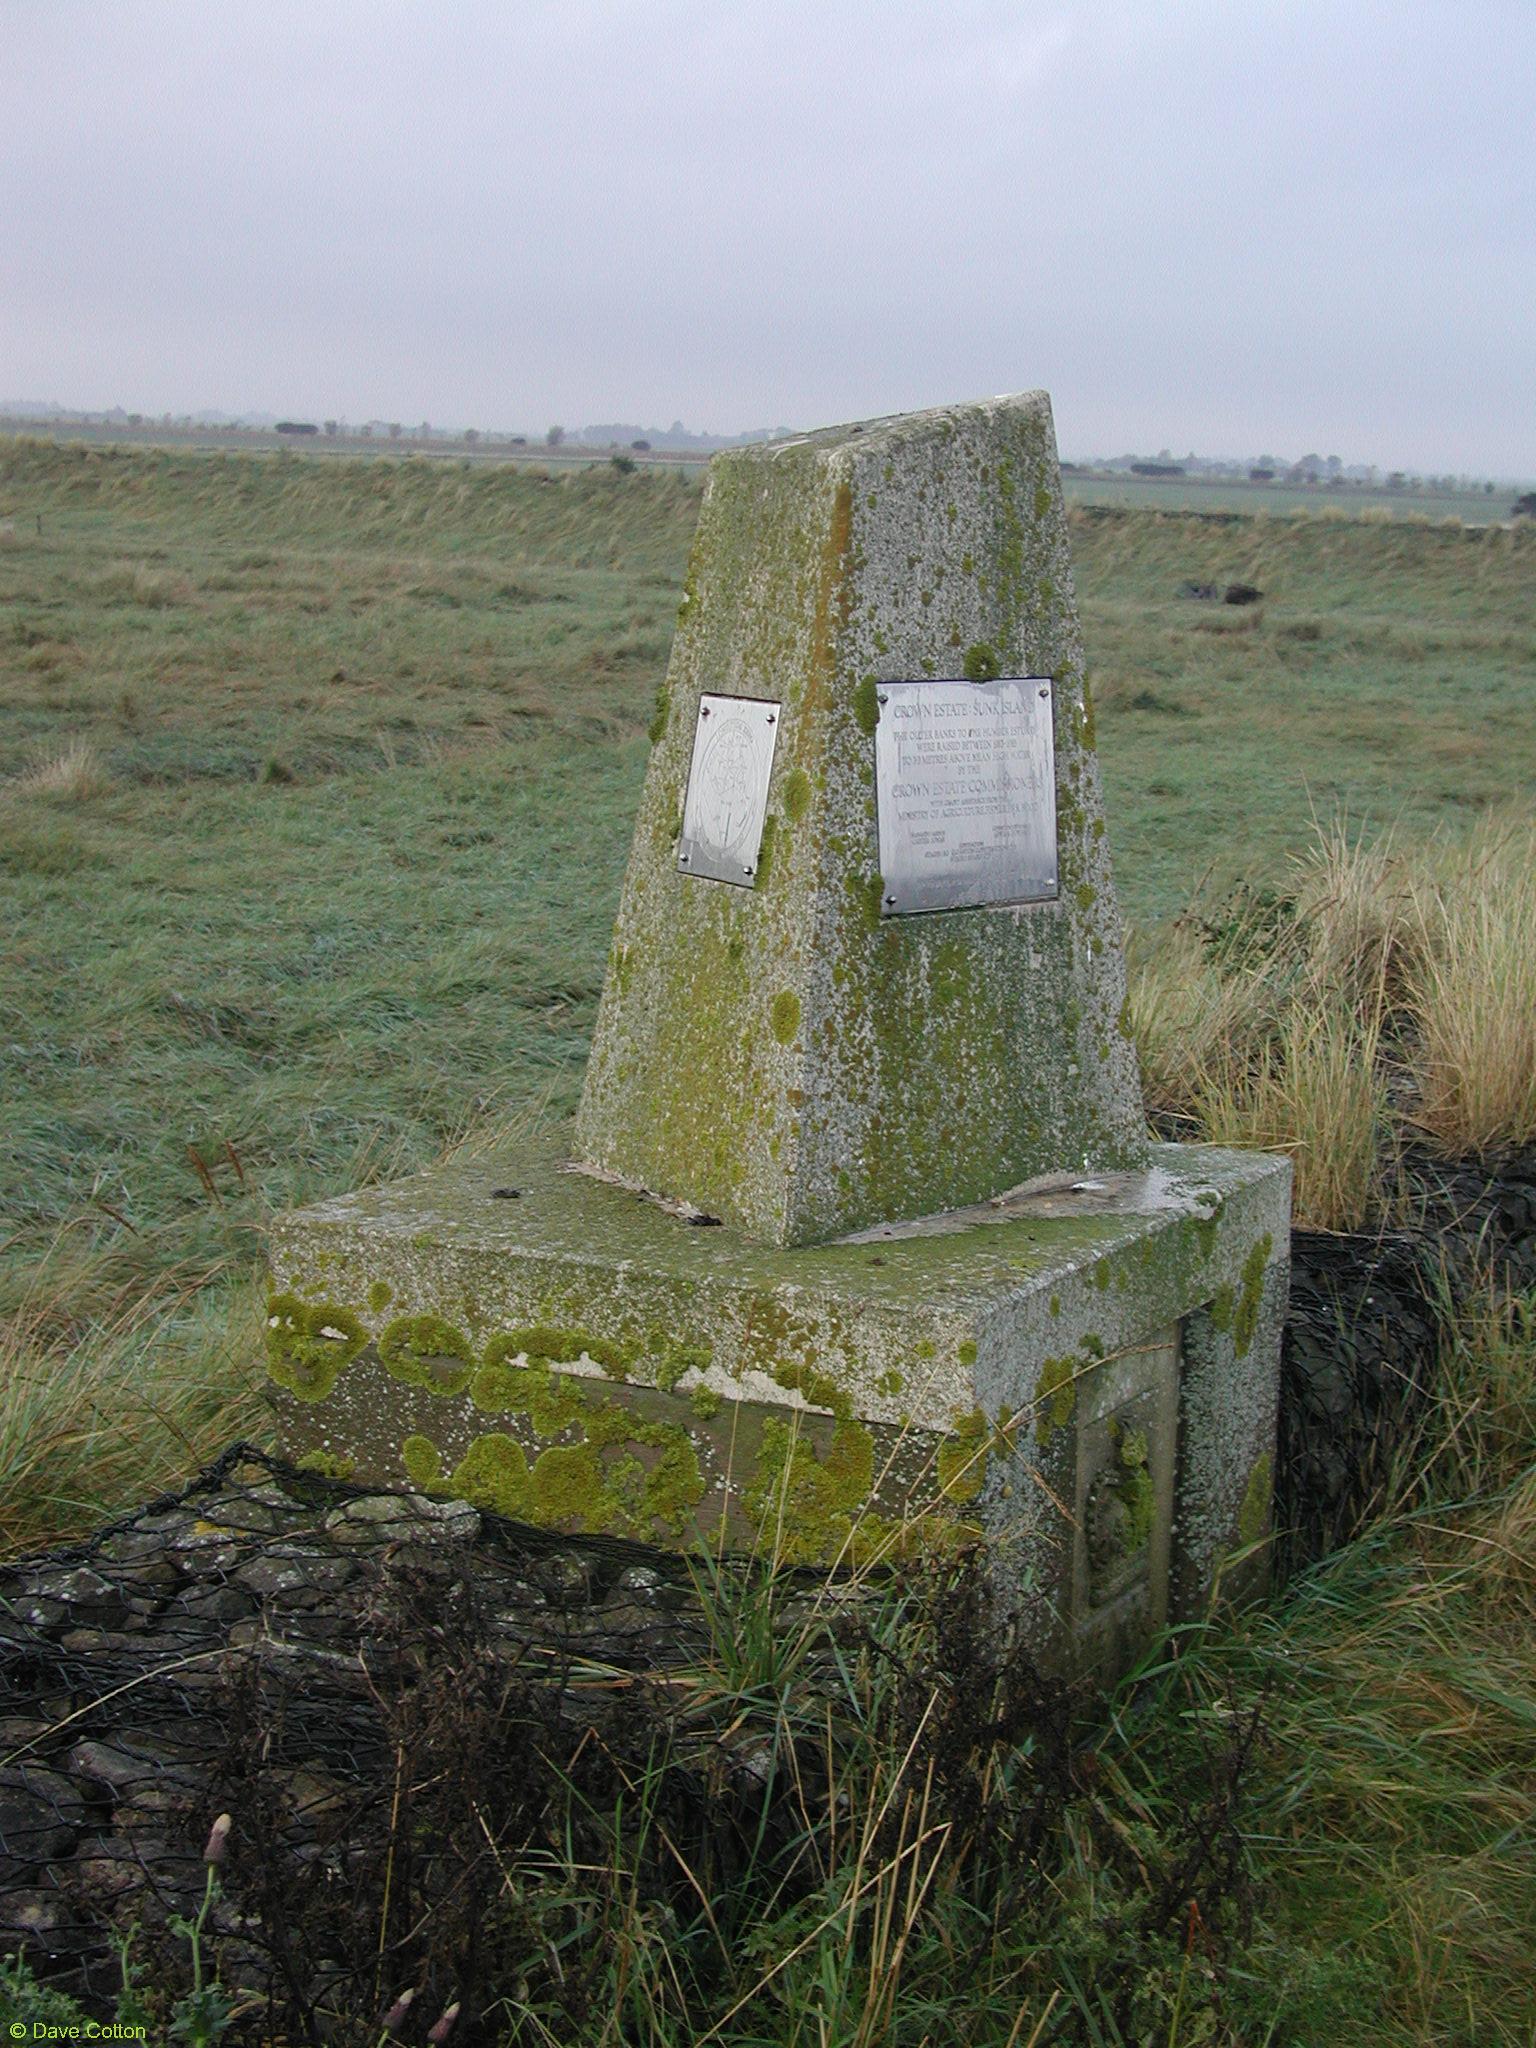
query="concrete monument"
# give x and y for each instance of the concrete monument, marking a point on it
(859, 1243)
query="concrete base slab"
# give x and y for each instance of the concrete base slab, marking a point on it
(1083, 1373)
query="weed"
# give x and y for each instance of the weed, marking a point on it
(74, 774)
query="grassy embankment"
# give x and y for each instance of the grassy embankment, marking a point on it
(317, 782)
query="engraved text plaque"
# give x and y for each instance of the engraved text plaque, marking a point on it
(727, 796)
(965, 786)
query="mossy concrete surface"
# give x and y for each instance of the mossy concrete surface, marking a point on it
(572, 1352)
(783, 1056)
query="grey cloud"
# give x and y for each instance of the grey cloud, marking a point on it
(1280, 225)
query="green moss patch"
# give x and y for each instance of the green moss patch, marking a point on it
(422, 1461)
(493, 1474)
(1253, 1514)
(804, 1506)
(1245, 1315)
(551, 1401)
(309, 1345)
(1055, 1396)
(428, 1352)
(554, 1344)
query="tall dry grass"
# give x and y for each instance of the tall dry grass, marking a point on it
(112, 1393)
(1480, 1434)
(1389, 994)
(1472, 998)
(1402, 1873)
(1312, 1088)
(73, 773)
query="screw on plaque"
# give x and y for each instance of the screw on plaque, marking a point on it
(703, 711)
(1046, 691)
(769, 720)
(882, 697)
(682, 860)
(749, 871)
(890, 899)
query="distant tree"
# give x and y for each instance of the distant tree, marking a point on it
(1488, 490)
(1396, 481)
(519, 441)
(297, 427)
(1524, 507)
(394, 430)
(624, 464)
(641, 447)
(136, 419)
(332, 428)
(471, 436)
(1261, 475)
(554, 437)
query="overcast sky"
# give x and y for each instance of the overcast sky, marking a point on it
(1232, 226)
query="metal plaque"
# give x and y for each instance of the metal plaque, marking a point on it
(727, 796)
(965, 788)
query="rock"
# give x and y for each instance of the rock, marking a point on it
(22, 1732)
(206, 1550)
(250, 1514)
(82, 1592)
(287, 1570)
(644, 1583)
(519, 1593)
(309, 1795)
(35, 1614)
(566, 1576)
(39, 1919)
(641, 1579)
(41, 1813)
(131, 1760)
(396, 1517)
(215, 1603)
(105, 1642)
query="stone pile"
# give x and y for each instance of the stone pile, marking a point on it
(232, 1649)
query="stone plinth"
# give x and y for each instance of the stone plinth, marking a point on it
(859, 1244)
(785, 1054)
(1084, 1375)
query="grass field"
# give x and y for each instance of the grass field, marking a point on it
(1237, 494)
(316, 783)
(1196, 493)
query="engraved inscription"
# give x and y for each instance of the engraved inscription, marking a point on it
(727, 799)
(965, 787)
